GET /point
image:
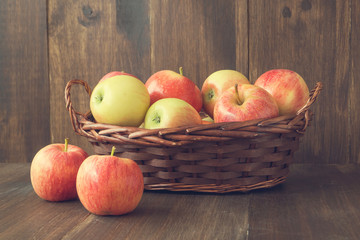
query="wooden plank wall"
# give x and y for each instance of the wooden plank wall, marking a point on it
(24, 80)
(45, 44)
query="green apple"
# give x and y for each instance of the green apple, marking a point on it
(120, 100)
(207, 120)
(216, 84)
(171, 112)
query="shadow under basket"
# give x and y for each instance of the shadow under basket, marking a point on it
(217, 157)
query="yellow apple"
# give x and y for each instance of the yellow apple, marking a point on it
(120, 100)
(171, 112)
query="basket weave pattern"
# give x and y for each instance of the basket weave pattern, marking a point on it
(217, 157)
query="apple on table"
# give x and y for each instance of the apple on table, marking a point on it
(287, 87)
(54, 169)
(109, 185)
(170, 84)
(245, 102)
(171, 112)
(216, 83)
(120, 100)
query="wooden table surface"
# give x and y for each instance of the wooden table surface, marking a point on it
(315, 202)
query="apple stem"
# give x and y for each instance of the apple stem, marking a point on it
(181, 71)
(66, 144)
(113, 151)
(237, 94)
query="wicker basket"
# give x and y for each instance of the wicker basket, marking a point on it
(217, 157)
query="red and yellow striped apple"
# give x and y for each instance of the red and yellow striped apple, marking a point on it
(109, 185)
(216, 83)
(53, 171)
(287, 87)
(245, 102)
(170, 84)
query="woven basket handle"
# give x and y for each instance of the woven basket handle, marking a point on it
(72, 112)
(304, 111)
(313, 95)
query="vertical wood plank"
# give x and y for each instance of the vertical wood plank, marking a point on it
(87, 39)
(200, 36)
(24, 85)
(242, 37)
(311, 38)
(354, 88)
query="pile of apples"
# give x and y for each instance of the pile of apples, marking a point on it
(104, 184)
(169, 99)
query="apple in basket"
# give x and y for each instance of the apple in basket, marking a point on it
(287, 87)
(115, 73)
(207, 120)
(245, 102)
(171, 112)
(120, 100)
(216, 83)
(109, 185)
(53, 171)
(170, 84)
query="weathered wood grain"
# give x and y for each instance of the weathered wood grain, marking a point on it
(23, 215)
(242, 36)
(24, 85)
(353, 123)
(311, 38)
(200, 36)
(88, 39)
(316, 202)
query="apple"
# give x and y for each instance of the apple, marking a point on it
(120, 100)
(207, 120)
(109, 185)
(171, 112)
(216, 83)
(115, 73)
(245, 102)
(170, 84)
(53, 171)
(287, 87)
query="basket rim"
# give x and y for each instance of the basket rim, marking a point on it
(85, 125)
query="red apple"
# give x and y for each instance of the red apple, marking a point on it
(115, 73)
(169, 84)
(287, 87)
(171, 112)
(245, 102)
(109, 185)
(53, 171)
(216, 84)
